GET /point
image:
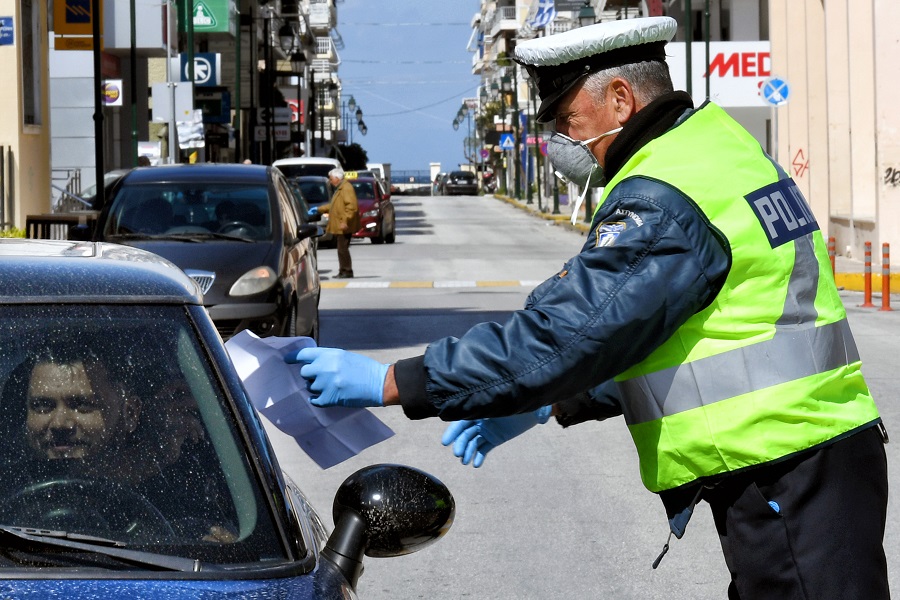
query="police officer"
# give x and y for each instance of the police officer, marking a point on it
(702, 308)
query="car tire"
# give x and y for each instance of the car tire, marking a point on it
(291, 329)
(392, 236)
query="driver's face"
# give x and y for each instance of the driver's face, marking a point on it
(70, 418)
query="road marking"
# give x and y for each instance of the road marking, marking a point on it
(335, 285)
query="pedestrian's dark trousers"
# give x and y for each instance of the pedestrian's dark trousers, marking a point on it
(345, 265)
(809, 528)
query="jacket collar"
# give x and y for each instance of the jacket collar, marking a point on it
(646, 125)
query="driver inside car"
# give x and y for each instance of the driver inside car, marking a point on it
(82, 422)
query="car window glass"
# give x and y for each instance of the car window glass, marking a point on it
(113, 424)
(315, 192)
(196, 207)
(289, 218)
(364, 190)
(297, 170)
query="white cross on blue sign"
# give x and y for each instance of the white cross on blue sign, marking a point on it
(775, 91)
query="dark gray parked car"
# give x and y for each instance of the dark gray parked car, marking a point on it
(235, 229)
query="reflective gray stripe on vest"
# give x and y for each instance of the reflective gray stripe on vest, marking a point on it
(791, 354)
(800, 300)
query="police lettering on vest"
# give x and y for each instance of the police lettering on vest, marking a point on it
(782, 211)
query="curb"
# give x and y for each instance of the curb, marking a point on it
(845, 280)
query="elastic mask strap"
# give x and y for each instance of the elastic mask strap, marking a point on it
(584, 194)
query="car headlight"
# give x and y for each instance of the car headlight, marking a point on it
(371, 213)
(253, 281)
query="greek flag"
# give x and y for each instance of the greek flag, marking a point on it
(545, 13)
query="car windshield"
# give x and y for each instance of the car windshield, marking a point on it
(190, 208)
(315, 192)
(364, 190)
(114, 425)
(320, 169)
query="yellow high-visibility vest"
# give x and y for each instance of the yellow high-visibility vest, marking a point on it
(770, 367)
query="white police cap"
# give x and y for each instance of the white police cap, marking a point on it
(558, 62)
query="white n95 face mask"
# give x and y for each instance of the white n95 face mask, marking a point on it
(574, 160)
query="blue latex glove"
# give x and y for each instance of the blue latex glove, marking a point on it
(472, 440)
(312, 212)
(341, 378)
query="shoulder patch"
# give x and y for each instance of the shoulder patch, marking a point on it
(608, 232)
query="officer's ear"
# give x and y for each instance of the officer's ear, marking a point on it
(621, 95)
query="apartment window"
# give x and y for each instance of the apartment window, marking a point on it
(30, 36)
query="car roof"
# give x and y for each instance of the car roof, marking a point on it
(222, 172)
(42, 271)
(307, 160)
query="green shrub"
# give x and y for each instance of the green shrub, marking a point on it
(12, 233)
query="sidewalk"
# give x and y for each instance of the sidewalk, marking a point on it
(849, 272)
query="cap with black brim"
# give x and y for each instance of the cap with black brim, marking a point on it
(557, 63)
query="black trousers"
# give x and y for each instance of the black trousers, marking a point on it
(809, 528)
(345, 265)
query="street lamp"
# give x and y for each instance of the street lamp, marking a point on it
(586, 14)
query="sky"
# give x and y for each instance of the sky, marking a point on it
(405, 63)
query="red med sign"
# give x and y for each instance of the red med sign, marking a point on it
(736, 70)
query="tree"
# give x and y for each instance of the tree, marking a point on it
(352, 157)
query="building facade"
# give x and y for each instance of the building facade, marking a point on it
(834, 130)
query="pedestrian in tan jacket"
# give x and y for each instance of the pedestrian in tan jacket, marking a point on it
(343, 219)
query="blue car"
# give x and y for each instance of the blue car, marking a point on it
(133, 463)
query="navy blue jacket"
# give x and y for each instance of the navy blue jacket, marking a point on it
(650, 261)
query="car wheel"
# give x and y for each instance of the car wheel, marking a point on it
(392, 236)
(291, 329)
(314, 330)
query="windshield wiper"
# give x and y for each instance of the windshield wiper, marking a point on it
(24, 537)
(221, 236)
(148, 236)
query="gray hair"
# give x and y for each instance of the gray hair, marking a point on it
(337, 172)
(649, 80)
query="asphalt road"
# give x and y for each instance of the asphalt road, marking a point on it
(554, 513)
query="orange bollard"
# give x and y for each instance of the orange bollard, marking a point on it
(885, 276)
(867, 278)
(831, 253)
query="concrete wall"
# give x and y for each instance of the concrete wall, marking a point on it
(840, 58)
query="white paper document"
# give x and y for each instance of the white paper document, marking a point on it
(278, 392)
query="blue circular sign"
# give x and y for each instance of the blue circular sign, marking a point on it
(775, 91)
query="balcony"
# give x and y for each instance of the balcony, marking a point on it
(322, 15)
(503, 19)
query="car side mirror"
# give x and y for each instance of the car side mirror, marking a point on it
(384, 511)
(307, 230)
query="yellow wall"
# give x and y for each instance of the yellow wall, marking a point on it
(30, 145)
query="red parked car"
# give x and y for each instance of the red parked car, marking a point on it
(375, 210)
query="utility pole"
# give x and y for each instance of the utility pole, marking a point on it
(98, 101)
(518, 151)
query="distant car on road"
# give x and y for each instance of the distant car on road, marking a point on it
(460, 182)
(437, 186)
(159, 480)
(376, 211)
(236, 230)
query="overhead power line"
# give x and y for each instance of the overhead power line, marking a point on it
(386, 24)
